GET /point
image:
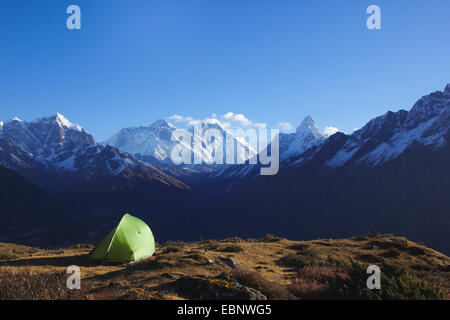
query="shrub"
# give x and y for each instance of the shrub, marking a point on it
(232, 239)
(300, 246)
(374, 234)
(312, 281)
(393, 253)
(309, 290)
(396, 284)
(230, 248)
(318, 273)
(139, 294)
(7, 256)
(170, 249)
(339, 280)
(299, 260)
(270, 238)
(272, 290)
(211, 245)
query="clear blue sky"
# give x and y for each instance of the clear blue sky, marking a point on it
(136, 61)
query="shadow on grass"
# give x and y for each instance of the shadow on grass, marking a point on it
(63, 261)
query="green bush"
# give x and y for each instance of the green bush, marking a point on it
(396, 284)
(299, 260)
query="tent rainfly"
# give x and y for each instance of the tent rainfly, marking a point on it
(131, 240)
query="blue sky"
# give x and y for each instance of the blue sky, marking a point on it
(272, 61)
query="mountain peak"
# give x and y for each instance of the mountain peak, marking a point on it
(212, 124)
(61, 121)
(161, 123)
(308, 124)
(447, 88)
(60, 117)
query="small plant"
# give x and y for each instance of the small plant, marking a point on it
(139, 294)
(270, 238)
(309, 290)
(232, 239)
(211, 245)
(312, 281)
(396, 284)
(373, 234)
(299, 246)
(7, 256)
(171, 249)
(300, 259)
(102, 294)
(393, 253)
(255, 280)
(231, 248)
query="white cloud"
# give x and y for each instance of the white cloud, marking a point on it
(260, 125)
(176, 118)
(228, 115)
(329, 131)
(182, 119)
(232, 120)
(285, 126)
(229, 120)
(238, 118)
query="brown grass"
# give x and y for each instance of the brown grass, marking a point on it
(272, 290)
(278, 267)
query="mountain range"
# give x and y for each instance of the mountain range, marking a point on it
(389, 176)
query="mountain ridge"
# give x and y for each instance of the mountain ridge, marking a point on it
(391, 175)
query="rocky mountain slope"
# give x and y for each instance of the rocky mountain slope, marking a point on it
(66, 161)
(57, 146)
(386, 137)
(155, 142)
(23, 204)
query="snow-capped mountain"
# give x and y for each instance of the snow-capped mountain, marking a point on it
(391, 176)
(155, 142)
(382, 139)
(386, 137)
(307, 135)
(54, 144)
(51, 141)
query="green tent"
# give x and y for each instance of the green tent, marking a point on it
(131, 240)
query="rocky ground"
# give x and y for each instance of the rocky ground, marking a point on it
(268, 268)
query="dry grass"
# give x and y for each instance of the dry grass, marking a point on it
(271, 289)
(278, 267)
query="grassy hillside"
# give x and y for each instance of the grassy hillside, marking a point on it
(271, 267)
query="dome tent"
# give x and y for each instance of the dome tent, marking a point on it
(131, 240)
